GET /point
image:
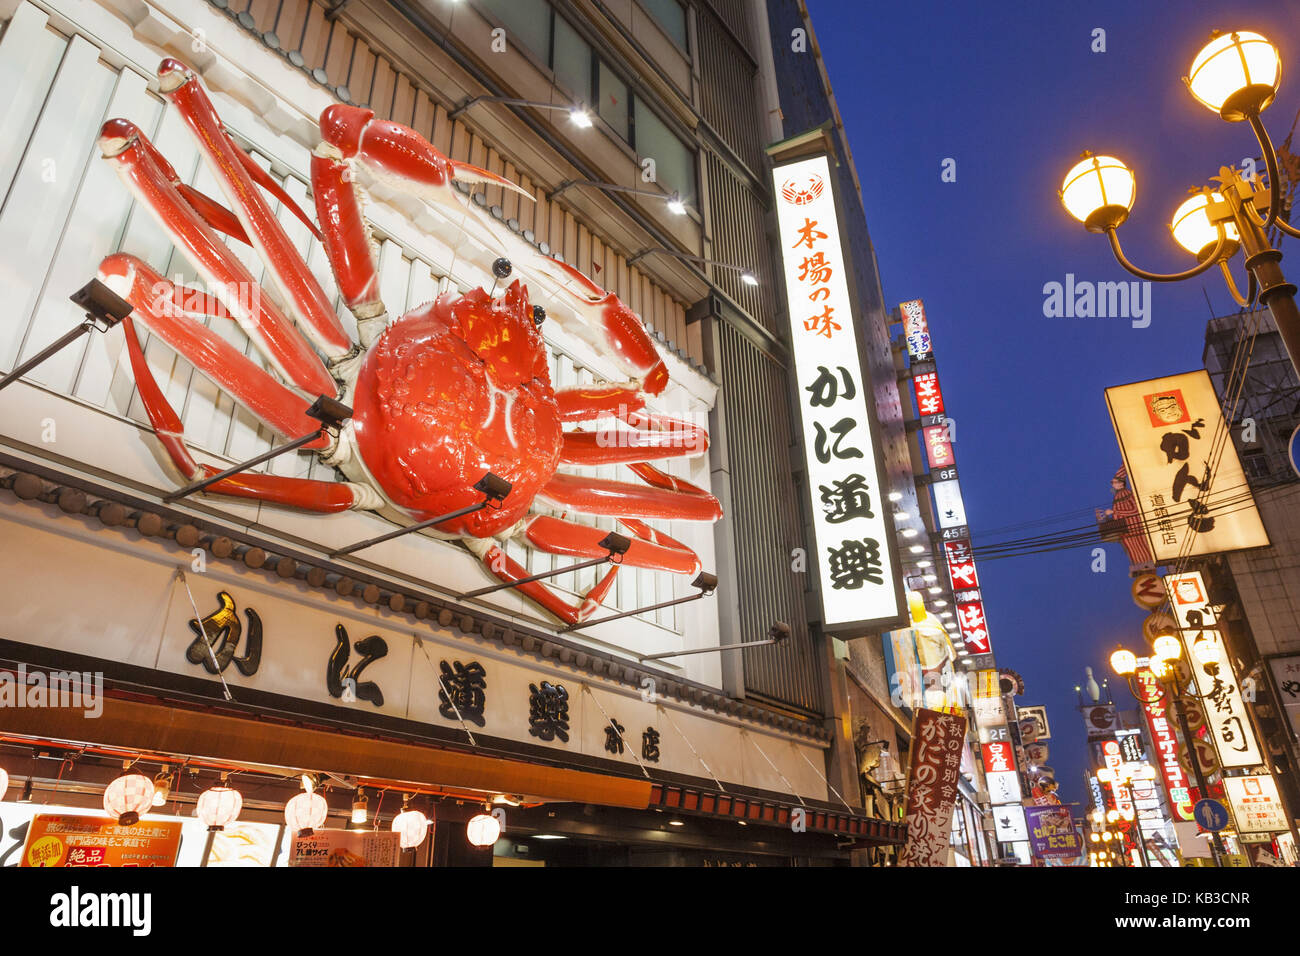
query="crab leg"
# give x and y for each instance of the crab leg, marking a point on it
(670, 498)
(230, 165)
(651, 549)
(395, 154)
(326, 497)
(508, 569)
(136, 162)
(161, 307)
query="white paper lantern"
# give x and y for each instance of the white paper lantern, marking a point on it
(411, 826)
(129, 796)
(219, 807)
(4, 782)
(306, 812)
(483, 830)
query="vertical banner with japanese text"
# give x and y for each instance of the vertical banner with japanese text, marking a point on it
(1211, 666)
(1155, 704)
(856, 557)
(938, 740)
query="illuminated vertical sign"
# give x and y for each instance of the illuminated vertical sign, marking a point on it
(948, 504)
(916, 330)
(929, 398)
(1211, 666)
(1256, 804)
(859, 576)
(938, 449)
(1155, 705)
(1169, 433)
(961, 564)
(974, 629)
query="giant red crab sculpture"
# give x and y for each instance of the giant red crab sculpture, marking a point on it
(445, 394)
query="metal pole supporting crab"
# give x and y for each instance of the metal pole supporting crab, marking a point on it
(442, 396)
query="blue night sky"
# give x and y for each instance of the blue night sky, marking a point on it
(1014, 96)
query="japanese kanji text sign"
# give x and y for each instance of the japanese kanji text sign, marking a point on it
(948, 505)
(938, 741)
(1170, 433)
(856, 563)
(929, 398)
(1155, 704)
(1256, 804)
(1216, 681)
(916, 330)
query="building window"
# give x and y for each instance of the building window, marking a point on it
(674, 162)
(670, 15)
(527, 23)
(571, 61)
(613, 103)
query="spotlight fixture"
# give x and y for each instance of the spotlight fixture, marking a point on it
(104, 309)
(895, 496)
(936, 590)
(493, 488)
(162, 788)
(748, 278)
(580, 118)
(705, 583)
(909, 532)
(674, 822)
(923, 564)
(615, 545)
(917, 549)
(677, 207)
(330, 412)
(932, 577)
(579, 115)
(778, 633)
(746, 274)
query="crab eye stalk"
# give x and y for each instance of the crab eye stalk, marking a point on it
(539, 315)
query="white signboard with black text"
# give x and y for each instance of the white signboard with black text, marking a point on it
(855, 559)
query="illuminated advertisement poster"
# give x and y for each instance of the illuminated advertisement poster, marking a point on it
(1052, 832)
(916, 331)
(948, 505)
(857, 567)
(1211, 666)
(929, 399)
(938, 449)
(974, 629)
(961, 564)
(1156, 707)
(932, 778)
(1168, 431)
(56, 840)
(346, 848)
(1256, 804)
(1038, 714)
(1113, 761)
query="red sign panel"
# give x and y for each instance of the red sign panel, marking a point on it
(1156, 707)
(939, 739)
(938, 450)
(929, 400)
(974, 629)
(961, 565)
(999, 757)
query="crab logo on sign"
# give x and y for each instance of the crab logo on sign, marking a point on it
(800, 192)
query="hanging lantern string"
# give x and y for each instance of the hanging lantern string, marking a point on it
(819, 773)
(609, 722)
(744, 733)
(446, 691)
(664, 710)
(203, 631)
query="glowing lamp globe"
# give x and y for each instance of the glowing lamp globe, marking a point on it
(218, 807)
(305, 812)
(1193, 230)
(411, 826)
(129, 796)
(1099, 192)
(1167, 647)
(1123, 662)
(483, 830)
(4, 782)
(1236, 75)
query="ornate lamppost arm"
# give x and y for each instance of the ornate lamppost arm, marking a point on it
(1274, 184)
(1208, 263)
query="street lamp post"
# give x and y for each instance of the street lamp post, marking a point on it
(1237, 76)
(1167, 649)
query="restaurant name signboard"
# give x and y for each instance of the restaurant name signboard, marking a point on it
(855, 559)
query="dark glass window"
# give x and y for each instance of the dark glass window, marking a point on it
(674, 162)
(571, 61)
(614, 106)
(527, 23)
(670, 15)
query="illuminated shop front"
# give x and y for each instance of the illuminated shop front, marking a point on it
(274, 634)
